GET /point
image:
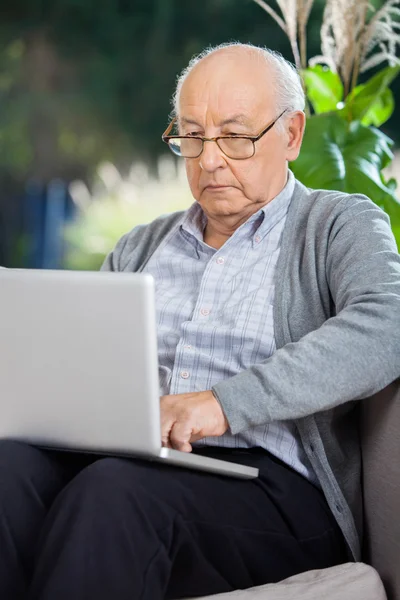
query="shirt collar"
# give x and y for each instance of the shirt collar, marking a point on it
(270, 214)
(263, 221)
(194, 221)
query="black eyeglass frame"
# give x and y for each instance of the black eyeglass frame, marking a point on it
(253, 138)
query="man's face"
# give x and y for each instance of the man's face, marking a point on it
(228, 94)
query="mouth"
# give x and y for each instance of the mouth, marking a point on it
(216, 188)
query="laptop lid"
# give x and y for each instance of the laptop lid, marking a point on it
(78, 360)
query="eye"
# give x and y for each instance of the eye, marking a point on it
(194, 133)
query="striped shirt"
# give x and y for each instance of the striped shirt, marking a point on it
(215, 314)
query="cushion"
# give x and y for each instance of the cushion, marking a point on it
(381, 482)
(355, 581)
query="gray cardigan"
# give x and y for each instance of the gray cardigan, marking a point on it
(337, 328)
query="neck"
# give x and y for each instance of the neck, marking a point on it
(219, 229)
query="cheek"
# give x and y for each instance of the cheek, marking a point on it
(193, 175)
(249, 175)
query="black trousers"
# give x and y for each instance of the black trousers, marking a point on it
(75, 527)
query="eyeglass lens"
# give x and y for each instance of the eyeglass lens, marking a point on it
(232, 147)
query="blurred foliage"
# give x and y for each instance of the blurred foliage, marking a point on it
(92, 81)
(118, 203)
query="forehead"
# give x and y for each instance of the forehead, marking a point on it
(221, 86)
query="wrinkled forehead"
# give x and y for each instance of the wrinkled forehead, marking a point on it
(228, 85)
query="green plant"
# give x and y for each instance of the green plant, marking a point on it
(343, 147)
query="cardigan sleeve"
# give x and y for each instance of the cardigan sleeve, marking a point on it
(353, 354)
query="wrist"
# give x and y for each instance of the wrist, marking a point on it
(224, 420)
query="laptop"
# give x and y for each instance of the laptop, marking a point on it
(79, 366)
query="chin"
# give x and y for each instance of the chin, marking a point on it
(218, 206)
(229, 196)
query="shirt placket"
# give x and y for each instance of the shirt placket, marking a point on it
(183, 373)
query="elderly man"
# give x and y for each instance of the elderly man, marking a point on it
(278, 307)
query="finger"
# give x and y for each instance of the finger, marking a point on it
(179, 437)
(196, 436)
(166, 426)
(165, 443)
(166, 422)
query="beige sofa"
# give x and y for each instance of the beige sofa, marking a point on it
(378, 577)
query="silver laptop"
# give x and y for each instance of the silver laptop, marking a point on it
(79, 368)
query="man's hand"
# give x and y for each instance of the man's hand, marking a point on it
(186, 418)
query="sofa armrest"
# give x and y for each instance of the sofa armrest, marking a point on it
(380, 431)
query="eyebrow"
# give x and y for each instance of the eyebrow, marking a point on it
(239, 119)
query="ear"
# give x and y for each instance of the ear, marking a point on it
(295, 129)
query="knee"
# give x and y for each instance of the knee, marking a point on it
(20, 464)
(107, 478)
(16, 456)
(112, 490)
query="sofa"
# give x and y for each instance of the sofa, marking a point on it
(378, 576)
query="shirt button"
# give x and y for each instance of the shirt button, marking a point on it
(188, 346)
(205, 312)
(257, 239)
(220, 260)
(185, 374)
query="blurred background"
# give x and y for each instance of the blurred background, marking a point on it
(85, 90)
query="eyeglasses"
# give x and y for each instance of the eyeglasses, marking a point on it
(237, 147)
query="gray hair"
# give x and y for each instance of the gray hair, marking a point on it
(289, 93)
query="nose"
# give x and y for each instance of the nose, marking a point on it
(212, 158)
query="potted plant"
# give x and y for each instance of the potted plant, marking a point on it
(343, 147)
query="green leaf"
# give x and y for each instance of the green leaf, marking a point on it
(364, 100)
(324, 88)
(347, 157)
(381, 110)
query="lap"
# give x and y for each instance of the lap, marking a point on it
(280, 502)
(246, 532)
